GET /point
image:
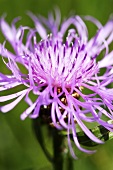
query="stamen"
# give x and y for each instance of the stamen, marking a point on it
(46, 110)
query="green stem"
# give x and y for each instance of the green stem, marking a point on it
(57, 150)
(57, 159)
(39, 135)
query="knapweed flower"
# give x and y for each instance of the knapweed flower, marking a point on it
(63, 70)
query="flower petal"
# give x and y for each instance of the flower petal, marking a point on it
(10, 106)
(27, 111)
(7, 30)
(12, 96)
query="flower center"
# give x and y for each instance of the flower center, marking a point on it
(58, 63)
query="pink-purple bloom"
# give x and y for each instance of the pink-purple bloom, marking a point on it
(63, 70)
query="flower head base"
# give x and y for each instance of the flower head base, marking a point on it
(61, 72)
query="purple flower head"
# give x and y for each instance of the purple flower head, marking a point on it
(63, 70)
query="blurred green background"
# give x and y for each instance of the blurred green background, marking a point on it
(19, 149)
